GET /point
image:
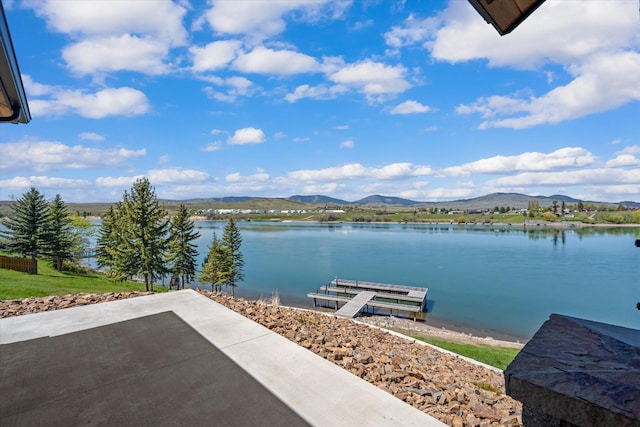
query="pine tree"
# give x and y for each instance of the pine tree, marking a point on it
(231, 242)
(112, 252)
(213, 265)
(60, 233)
(182, 253)
(145, 231)
(27, 229)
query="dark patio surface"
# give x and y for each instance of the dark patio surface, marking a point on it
(152, 370)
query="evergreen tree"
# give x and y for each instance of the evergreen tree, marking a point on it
(182, 253)
(27, 227)
(60, 235)
(231, 242)
(145, 232)
(112, 252)
(213, 265)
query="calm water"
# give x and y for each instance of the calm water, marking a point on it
(503, 282)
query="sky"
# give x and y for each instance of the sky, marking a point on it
(415, 99)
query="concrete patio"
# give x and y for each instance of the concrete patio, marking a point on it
(175, 358)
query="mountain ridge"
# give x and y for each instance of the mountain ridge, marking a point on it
(513, 200)
(487, 201)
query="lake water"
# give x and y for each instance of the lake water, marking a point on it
(501, 281)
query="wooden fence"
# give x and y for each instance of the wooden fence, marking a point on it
(17, 264)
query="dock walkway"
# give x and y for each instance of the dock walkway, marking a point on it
(357, 303)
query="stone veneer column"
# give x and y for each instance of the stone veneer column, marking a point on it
(576, 372)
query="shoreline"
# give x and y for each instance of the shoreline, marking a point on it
(430, 328)
(532, 223)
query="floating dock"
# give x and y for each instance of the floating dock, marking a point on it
(357, 295)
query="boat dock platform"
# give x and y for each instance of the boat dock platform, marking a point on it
(357, 295)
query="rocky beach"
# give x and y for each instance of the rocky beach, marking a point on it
(448, 387)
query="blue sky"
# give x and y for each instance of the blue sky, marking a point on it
(414, 99)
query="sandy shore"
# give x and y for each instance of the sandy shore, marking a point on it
(411, 328)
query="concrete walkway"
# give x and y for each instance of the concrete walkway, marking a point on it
(179, 343)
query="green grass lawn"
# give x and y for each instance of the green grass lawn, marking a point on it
(48, 281)
(500, 357)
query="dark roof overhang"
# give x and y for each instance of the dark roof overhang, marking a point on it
(13, 101)
(505, 15)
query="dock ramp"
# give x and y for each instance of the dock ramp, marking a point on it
(353, 307)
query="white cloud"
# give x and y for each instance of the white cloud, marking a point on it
(315, 92)
(263, 60)
(626, 157)
(176, 176)
(410, 107)
(213, 146)
(169, 176)
(41, 182)
(347, 144)
(90, 136)
(162, 18)
(336, 173)
(123, 101)
(603, 83)
(117, 53)
(215, 55)
(376, 80)
(357, 171)
(342, 127)
(260, 19)
(325, 188)
(448, 193)
(599, 50)
(35, 89)
(628, 192)
(120, 181)
(236, 86)
(413, 31)
(249, 135)
(603, 176)
(238, 178)
(241, 84)
(113, 35)
(569, 157)
(263, 18)
(217, 131)
(41, 156)
(298, 139)
(585, 28)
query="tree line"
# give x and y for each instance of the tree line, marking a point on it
(136, 239)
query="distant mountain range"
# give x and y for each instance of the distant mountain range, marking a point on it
(489, 201)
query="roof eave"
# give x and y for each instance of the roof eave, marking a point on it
(10, 80)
